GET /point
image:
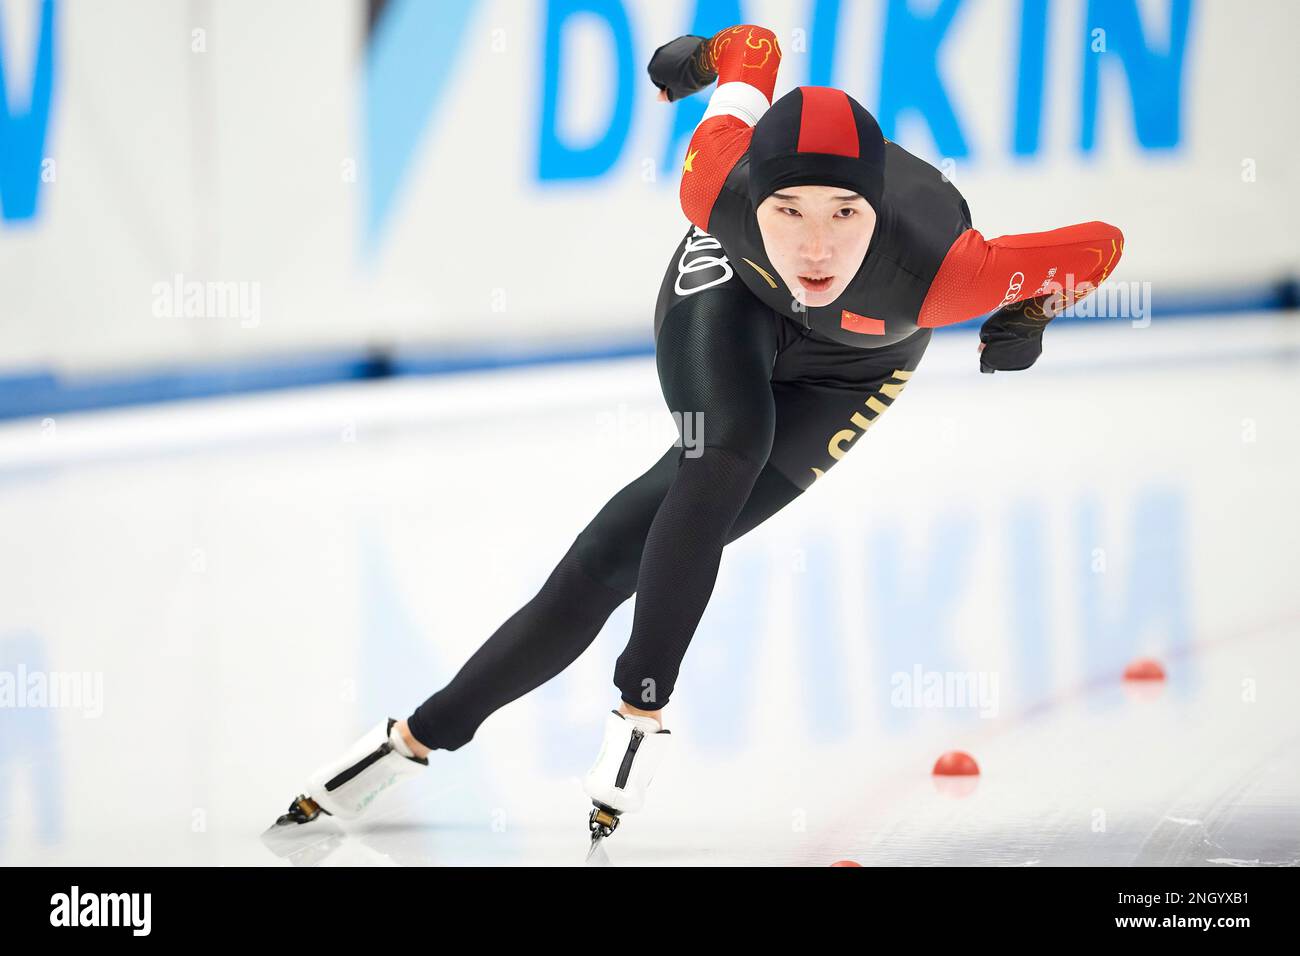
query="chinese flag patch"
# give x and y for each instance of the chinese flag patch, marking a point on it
(860, 323)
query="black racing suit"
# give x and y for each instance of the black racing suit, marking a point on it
(779, 403)
(767, 395)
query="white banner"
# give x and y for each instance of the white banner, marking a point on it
(184, 183)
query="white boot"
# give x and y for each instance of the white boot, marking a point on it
(346, 787)
(631, 752)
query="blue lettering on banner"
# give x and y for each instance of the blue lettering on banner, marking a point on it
(909, 74)
(821, 44)
(1118, 625)
(22, 134)
(913, 36)
(30, 753)
(1031, 630)
(1029, 77)
(1154, 79)
(915, 612)
(718, 687)
(557, 159)
(1136, 603)
(820, 634)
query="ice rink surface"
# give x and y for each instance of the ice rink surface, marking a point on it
(201, 602)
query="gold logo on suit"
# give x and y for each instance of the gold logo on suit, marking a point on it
(837, 447)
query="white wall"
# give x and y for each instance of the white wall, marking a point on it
(233, 165)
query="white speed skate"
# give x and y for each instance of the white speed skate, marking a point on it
(346, 787)
(629, 755)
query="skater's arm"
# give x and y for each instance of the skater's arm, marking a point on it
(681, 67)
(1026, 278)
(744, 59)
(1054, 268)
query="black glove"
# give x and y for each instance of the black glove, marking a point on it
(679, 67)
(1013, 336)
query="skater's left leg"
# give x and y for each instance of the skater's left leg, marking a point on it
(771, 492)
(714, 353)
(825, 397)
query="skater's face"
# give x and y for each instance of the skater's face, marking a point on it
(816, 238)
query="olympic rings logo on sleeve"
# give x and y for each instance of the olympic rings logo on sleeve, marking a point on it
(695, 242)
(1017, 281)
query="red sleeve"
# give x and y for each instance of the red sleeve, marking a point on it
(980, 275)
(741, 54)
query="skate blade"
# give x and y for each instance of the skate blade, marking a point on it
(596, 855)
(601, 822)
(304, 845)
